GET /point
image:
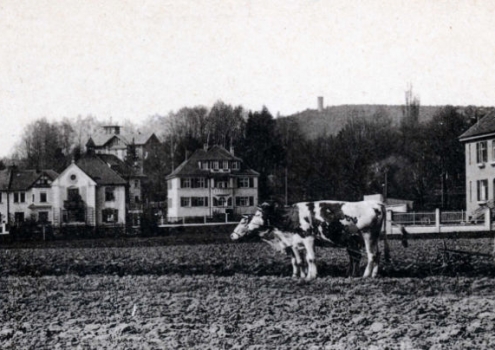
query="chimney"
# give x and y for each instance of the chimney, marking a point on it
(320, 103)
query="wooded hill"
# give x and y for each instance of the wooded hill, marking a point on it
(332, 119)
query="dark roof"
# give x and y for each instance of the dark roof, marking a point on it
(119, 166)
(99, 171)
(214, 153)
(22, 180)
(4, 179)
(190, 166)
(100, 139)
(485, 125)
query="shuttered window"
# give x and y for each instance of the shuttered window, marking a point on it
(481, 152)
(482, 187)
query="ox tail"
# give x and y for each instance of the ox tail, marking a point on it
(405, 234)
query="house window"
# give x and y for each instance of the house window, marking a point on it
(482, 190)
(185, 182)
(206, 165)
(43, 197)
(244, 201)
(19, 197)
(185, 201)
(136, 183)
(215, 165)
(73, 194)
(469, 153)
(470, 191)
(235, 165)
(109, 194)
(136, 199)
(110, 215)
(221, 183)
(43, 216)
(43, 180)
(243, 182)
(481, 152)
(198, 182)
(222, 202)
(219, 202)
(199, 201)
(225, 164)
(19, 217)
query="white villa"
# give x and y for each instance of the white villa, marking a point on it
(479, 141)
(212, 181)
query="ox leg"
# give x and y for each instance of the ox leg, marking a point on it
(309, 244)
(297, 264)
(376, 264)
(354, 259)
(354, 251)
(372, 253)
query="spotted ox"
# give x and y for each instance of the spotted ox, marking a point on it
(332, 223)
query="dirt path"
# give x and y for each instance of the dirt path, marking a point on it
(245, 312)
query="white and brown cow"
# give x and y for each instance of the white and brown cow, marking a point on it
(333, 223)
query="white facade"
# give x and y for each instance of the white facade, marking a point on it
(211, 199)
(73, 179)
(103, 204)
(32, 201)
(480, 173)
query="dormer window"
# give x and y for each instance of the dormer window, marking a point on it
(203, 165)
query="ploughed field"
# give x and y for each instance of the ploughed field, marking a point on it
(144, 295)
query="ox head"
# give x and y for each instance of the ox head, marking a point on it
(251, 224)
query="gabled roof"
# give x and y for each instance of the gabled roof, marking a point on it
(190, 166)
(101, 139)
(484, 126)
(119, 166)
(214, 153)
(99, 171)
(4, 179)
(14, 179)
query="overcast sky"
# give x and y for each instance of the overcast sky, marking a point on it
(131, 59)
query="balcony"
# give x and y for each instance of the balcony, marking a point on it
(222, 191)
(225, 171)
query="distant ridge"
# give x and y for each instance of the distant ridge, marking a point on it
(332, 119)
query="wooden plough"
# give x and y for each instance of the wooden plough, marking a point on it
(464, 252)
(455, 260)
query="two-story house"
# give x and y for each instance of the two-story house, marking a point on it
(212, 181)
(89, 192)
(479, 143)
(26, 194)
(112, 140)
